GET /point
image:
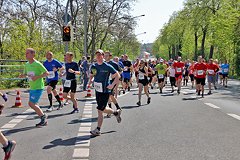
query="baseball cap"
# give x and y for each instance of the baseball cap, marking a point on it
(99, 51)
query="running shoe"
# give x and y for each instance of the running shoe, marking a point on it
(43, 121)
(139, 103)
(178, 91)
(95, 132)
(108, 115)
(149, 100)
(74, 110)
(50, 109)
(215, 87)
(60, 107)
(9, 149)
(66, 103)
(5, 98)
(118, 116)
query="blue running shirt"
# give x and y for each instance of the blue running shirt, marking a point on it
(49, 66)
(101, 75)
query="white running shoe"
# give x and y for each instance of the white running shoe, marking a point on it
(50, 109)
(95, 132)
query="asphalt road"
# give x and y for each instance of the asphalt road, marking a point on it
(171, 127)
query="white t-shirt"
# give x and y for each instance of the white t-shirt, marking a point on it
(172, 72)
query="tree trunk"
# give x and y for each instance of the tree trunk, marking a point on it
(173, 51)
(196, 45)
(169, 52)
(203, 41)
(211, 51)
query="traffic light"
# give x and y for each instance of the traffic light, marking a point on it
(66, 33)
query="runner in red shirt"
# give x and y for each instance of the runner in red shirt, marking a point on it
(200, 68)
(179, 66)
(212, 69)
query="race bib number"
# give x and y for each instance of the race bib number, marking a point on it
(225, 70)
(67, 83)
(98, 87)
(210, 71)
(141, 76)
(30, 75)
(51, 74)
(179, 70)
(110, 77)
(200, 72)
(160, 76)
(125, 69)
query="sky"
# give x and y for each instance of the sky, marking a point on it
(157, 13)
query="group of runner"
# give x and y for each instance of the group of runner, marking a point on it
(105, 74)
(148, 73)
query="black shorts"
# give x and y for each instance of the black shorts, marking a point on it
(150, 79)
(102, 100)
(72, 88)
(52, 84)
(160, 80)
(192, 77)
(144, 82)
(225, 75)
(126, 80)
(200, 81)
(173, 81)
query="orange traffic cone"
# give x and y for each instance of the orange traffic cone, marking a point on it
(18, 102)
(61, 95)
(89, 92)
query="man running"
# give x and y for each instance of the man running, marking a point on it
(35, 72)
(52, 65)
(212, 69)
(101, 72)
(200, 68)
(225, 71)
(179, 65)
(161, 69)
(126, 73)
(70, 84)
(107, 57)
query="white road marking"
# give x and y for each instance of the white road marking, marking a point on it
(81, 153)
(234, 116)
(212, 105)
(9, 125)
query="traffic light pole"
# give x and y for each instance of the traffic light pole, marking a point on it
(85, 28)
(65, 23)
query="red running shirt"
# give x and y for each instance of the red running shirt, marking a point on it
(178, 67)
(212, 68)
(200, 69)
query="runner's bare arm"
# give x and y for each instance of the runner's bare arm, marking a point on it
(45, 74)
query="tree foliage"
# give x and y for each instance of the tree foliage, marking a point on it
(38, 24)
(203, 27)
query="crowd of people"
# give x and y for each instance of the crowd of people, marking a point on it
(109, 76)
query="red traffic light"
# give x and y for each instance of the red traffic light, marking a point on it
(66, 33)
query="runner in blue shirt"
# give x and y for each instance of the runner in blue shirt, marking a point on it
(70, 83)
(101, 72)
(107, 57)
(52, 65)
(225, 71)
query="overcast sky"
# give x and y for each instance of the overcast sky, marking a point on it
(157, 12)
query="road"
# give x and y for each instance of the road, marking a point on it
(171, 127)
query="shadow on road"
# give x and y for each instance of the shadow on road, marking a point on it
(86, 120)
(61, 142)
(13, 131)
